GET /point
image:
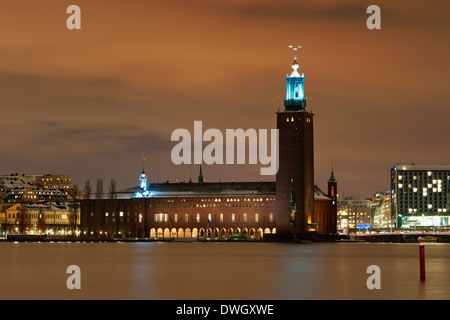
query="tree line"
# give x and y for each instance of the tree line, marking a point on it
(99, 190)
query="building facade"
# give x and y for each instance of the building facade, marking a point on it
(31, 206)
(49, 218)
(419, 195)
(354, 215)
(382, 211)
(290, 207)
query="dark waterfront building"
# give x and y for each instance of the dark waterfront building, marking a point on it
(291, 207)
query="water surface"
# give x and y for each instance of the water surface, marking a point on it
(222, 270)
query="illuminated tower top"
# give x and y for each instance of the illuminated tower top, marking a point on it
(295, 94)
(143, 181)
(143, 189)
(143, 177)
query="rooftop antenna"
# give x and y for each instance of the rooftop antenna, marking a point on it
(295, 50)
(143, 163)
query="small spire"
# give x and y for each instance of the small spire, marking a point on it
(295, 64)
(200, 176)
(143, 163)
(332, 178)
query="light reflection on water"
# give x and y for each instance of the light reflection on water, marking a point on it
(228, 271)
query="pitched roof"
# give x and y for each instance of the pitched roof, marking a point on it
(212, 189)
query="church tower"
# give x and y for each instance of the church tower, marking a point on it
(295, 177)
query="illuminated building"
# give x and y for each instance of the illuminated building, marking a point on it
(51, 218)
(419, 195)
(55, 182)
(35, 195)
(34, 188)
(353, 214)
(382, 210)
(290, 207)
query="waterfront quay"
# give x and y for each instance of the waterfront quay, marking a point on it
(394, 237)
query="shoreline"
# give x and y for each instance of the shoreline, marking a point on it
(394, 238)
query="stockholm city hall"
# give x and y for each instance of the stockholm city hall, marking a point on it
(292, 207)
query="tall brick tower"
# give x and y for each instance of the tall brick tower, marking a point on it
(295, 177)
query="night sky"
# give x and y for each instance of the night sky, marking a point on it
(89, 102)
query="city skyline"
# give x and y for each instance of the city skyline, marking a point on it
(89, 103)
